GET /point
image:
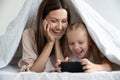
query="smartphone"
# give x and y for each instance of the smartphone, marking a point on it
(71, 67)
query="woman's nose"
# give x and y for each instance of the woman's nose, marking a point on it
(59, 26)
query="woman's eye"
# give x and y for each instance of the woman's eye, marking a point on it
(54, 21)
(64, 21)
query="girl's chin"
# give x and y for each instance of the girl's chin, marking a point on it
(80, 56)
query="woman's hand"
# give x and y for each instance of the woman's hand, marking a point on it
(47, 33)
(91, 67)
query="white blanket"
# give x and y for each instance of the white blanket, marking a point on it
(8, 11)
(10, 40)
(103, 33)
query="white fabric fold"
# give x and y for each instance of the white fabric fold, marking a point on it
(10, 40)
(12, 7)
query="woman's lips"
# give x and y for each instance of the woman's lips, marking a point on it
(57, 33)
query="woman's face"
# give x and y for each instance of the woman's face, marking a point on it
(78, 42)
(58, 22)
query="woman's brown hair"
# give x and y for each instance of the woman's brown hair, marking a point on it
(47, 6)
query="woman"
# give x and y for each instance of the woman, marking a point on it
(42, 46)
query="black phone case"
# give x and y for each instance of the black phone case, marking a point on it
(71, 67)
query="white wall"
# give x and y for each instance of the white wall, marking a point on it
(109, 9)
(8, 11)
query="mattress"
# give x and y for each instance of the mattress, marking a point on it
(12, 73)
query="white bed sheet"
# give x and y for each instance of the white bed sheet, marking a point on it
(12, 73)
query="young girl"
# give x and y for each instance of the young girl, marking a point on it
(80, 47)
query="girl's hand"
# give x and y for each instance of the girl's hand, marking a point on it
(91, 67)
(58, 69)
(47, 33)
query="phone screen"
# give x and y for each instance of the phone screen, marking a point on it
(71, 67)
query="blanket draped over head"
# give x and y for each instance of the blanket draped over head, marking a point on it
(105, 35)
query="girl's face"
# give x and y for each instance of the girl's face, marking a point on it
(78, 42)
(58, 22)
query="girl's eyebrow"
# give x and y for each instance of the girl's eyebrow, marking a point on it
(70, 41)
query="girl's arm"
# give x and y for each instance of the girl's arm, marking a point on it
(59, 56)
(88, 66)
(106, 64)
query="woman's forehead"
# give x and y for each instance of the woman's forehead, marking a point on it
(59, 13)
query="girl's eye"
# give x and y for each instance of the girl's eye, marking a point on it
(71, 43)
(80, 42)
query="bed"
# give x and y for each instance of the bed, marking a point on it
(12, 73)
(11, 50)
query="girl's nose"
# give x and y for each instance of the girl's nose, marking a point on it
(76, 46)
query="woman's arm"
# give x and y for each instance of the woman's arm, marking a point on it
(30, 60)
(39, 64)
(58, 51)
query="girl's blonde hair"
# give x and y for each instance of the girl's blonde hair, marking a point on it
(93, 49)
